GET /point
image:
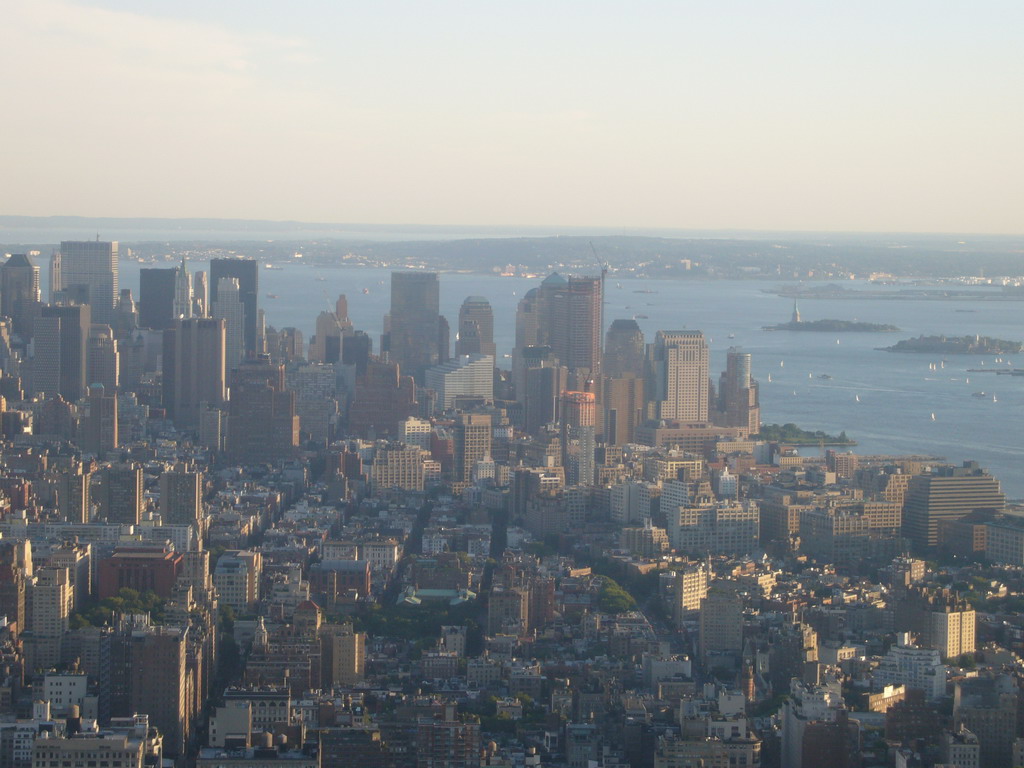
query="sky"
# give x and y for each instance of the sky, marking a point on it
(822, 116)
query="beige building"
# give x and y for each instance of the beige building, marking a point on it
(87, 752)
(396, 465)
(52, 598)
(237, 579)
(721, 624)
(679, 363)
(343, 655)
(691, 588)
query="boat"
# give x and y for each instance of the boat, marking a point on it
(933, 417)
(732, 335)
(271, 295)
(856, 398)
(794, 393)
(769, 378)
(365, 291)
(810, 375)
(837, 341)
(782, 364)
(824, 376)
(978, 394)
(321, 279)
(639, 317)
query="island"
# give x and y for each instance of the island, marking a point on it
(793, 435)
(832, 326)
(957, 345)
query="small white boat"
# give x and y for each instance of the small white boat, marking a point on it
(782, 363)
(994, 399)
(769, 378)
(933, 417)
(856, 398)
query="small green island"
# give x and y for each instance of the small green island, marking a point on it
(793, 435)
(957, 345)
(832, 326)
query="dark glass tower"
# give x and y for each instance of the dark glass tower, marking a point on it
(415, 321)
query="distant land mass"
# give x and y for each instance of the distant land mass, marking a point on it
(957, 345)
(794, 435)
(654, 253)
(832, 326)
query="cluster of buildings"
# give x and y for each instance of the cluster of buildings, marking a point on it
(222, 546)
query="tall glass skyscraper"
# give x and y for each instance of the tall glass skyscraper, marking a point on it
(415, 321)
(89, 269)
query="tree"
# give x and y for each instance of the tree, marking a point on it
(614, 599)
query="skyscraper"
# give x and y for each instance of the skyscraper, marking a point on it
(51, 606)
(159, 683)
(469, 376)
(476, 328)
(246, 271)
(738, 403)
(61, 338)
(472, 443)
(183, 300)
(415, 321)
(102, 358)
(946, 495)
(679, 372)
(94, 265)
(262, 423)
(99, 430)
(181, 496)
(19, 293)
(624, 350)
(331, 328)
(156, 298)
(229, 308)
(382, 398)
(575, 332)
(193, 369)
(579, 419)
(623, 404)
(123, 497)
(565, 315)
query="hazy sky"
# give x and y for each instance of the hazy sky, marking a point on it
(875, 116)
